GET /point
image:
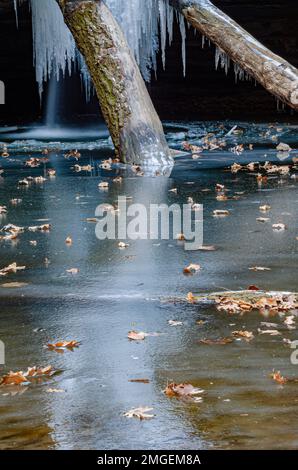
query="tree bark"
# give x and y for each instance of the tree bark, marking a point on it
(134, 125)
(275, 74)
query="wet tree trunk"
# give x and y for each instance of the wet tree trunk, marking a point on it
(134, 125)
(275, 74)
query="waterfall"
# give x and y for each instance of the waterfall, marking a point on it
(146, 24)
(15, 4)
(51, 112)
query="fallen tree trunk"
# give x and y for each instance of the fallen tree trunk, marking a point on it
(134, 125)
(275, 74)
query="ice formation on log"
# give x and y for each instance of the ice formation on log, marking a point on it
(147, 25)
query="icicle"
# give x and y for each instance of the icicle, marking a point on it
(53, 45)
(223, 59)
(183, 36)
(239, 73)
(280, 105)
(170, 22)
(163, 30)
(15, 3)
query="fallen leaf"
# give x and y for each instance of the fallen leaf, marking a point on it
(259, 268)
(118, 179)
(79, 168)
(247, 335)
(269, 332)
(236, 167)
(218, 341)
(279, 227)
(51, 172)
(283, 147)
(103, 185)
(12, 268)
(68, 240)
(192, 269)
(190, 297)
(261, 178)
(221, 213)
(73, 154)
(13, 378)
(14, 285)
(278, 378)
(140, 381)
(63, 345)
(39, 371)
(265, 208)
(40, 228)
(140, 413)
(123, 245)
(33, 162)
(20, 377)
(220, 187)
(182, 390)
(269, 325)
(13, 229)
(207, 248)
(24, 182)
(289, 321)
(180, 237)
(251, 166)
(39, 179)
(73, 271)
(175, 323)
(136, 336)
(221, 197)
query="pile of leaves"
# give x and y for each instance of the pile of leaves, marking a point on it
(264, 170)
(248, 300)
(25, 378)
(274, 303)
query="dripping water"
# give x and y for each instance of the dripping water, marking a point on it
(51, 109)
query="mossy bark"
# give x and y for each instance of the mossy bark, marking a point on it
(134, 125)
(275, 74)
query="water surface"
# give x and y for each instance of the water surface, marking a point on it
(119, 290)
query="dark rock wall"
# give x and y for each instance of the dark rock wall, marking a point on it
(203, 94)
(16, 65)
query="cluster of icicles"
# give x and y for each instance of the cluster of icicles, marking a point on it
(147, 25)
